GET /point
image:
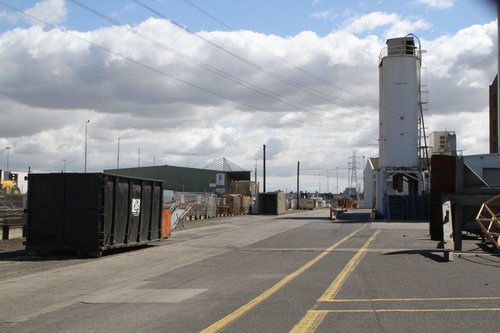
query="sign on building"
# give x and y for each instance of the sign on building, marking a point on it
(220, 179)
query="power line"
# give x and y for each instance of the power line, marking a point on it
(205, 66)
(148, 67)
(242, 59)
(310, 74)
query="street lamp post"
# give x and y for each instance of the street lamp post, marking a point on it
(86, 132)
(7, 149)
(327, 181)
(337, 180)
(64, 165)
(363, 173)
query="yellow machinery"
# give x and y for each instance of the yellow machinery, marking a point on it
(10, 187)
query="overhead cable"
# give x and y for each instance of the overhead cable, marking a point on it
(150, 68)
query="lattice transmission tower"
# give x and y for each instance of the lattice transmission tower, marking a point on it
(353, 162)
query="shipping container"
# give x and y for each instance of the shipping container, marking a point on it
(92, 212)
(306, 203)
(271, 203)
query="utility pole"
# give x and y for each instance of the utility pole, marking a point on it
(139, 159)
(255, 176)
(86, 132)
(348, 171)
(298, 188)
(118, 155)
(264, 171)
(363, 171)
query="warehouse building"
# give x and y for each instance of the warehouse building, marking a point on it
(221, 178)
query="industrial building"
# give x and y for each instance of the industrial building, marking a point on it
(443, 143)
(402, 183)
(394, 182)
(466, 181)
(219, 178)
(222, 179)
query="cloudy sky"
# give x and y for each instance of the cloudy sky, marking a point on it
(187, 82)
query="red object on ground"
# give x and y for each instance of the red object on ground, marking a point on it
(166, 223)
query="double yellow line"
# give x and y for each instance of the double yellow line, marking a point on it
(313, 318)
(235, 315)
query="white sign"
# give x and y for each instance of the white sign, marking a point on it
(219, 179)
(220, 190)
(136, 207)
(212, 185)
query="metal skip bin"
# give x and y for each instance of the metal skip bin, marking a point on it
(92, 212)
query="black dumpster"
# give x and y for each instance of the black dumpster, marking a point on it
(92, 212)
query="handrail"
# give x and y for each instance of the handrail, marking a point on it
(398, 50)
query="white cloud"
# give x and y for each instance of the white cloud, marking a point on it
(439, 4)
(466, 57)
(371, 21)
(51, 83)
(394, 24)
(324, 15)
(10, 17)
(50, 11)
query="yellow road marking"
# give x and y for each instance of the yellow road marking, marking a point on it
(437, 299)
(325, 312)
(310, 322)
(339, 281)
(233, 316)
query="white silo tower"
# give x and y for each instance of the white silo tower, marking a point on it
(399, 112)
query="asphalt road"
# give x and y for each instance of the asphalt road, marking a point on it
(293, 273)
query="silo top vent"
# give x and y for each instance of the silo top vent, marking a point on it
(400, 46)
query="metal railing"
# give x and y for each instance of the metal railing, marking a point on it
(179, 212)
(399, 50)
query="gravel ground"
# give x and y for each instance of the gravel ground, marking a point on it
(10, 245)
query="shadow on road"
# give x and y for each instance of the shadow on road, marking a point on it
(21, 255)
(346, 217)
(431, 254)
(353, 217)
(304, 218)
(491, 261)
